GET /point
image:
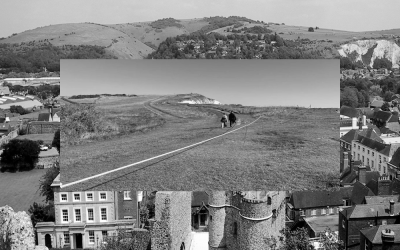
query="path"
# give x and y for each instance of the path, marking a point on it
(199, 241)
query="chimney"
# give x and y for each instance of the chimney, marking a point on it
(391, 207)
(360, 124)
(354, 123)
(7, 118)
(345, 161)
(384, 185)
(369, 104)
(362, 174)
(387, 237)
(364, 120)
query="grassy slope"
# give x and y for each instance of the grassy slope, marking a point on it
(24, 189)
(126, 47)
(46, 138)
(291, 150)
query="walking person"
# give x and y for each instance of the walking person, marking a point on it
(224, 120)
(232, 119)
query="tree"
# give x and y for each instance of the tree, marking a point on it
(348, 97)
(46, 181)
(385, 106)
(295, 240)
(41, 213)
(19, 155)
(382, 63)
(330, 241)
(56, 140)
(311, 29)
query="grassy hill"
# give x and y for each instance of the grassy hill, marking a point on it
(136, 40)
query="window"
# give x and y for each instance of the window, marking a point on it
(127, 195)
(302, 213)
(77, 197)
(313, 212)
(358, 147)
(64, 214)
(103, 196)
(363, 159)
(90, 214)
(363, 149)
(269, 201)
(343, 224)
(210, 218)
(323, 211)
(373, 153)
(330, 210)
(379, 166)
(235, 229)
(358, 156)
(384, 159)
(66, 238)
(103, 214)
(89, 196)
(274, 213)
(372, 164)
(368, 151)
(78, 217)
(64, 197)
(104, 234)
(91, 237)
(354, 145)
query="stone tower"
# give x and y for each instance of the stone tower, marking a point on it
(218, 201)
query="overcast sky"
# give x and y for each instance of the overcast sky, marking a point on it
(354, 15)
(246, 82)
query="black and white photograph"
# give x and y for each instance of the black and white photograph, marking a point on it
(93, 124)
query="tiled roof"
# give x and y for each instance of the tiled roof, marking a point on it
(373, 144)
(394, 117)
(382, 115)
(374, 234)
(359, 192)
(317, 198)
(198, 197)
(349, 111)
(377, 103)
(381, 199)
(44, 117)
(370, 210)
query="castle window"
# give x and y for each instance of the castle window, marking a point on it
(274, 213)
(127, 195)
(90, 214)
(269, 201)
(66, 238)
(103, 196)
(91, 237)
(210, 218)
(235, 229)
(64, 197)
(89, 196)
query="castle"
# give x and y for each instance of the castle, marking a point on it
(245, 220)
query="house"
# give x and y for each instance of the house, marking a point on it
(200, 211)
(4, 91)
(380, 237)
(362, 216)
(51, 116)
(315, 203)
(83, 219)
(352, 123)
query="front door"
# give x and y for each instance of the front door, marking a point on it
(78, 240)
(47, 241)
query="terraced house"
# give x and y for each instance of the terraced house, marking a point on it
(84, 219)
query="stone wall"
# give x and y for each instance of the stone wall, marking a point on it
(16, 230)
(47, 162)
(43, 127)
(172, 226)
(216, 226)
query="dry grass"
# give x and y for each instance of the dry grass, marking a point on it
(292, 149)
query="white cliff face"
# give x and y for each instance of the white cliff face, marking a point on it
(384, 49)
(200, 101)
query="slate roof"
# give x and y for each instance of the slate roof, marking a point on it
(382, 115)
(44, 117)
(394, 117)
(370, 210)
(359, 192)
(317, 198)
(374, 234)
(395, 161)
(349, 111)
(353, 135)
(377, 103)
(319, 223)
(381, 199)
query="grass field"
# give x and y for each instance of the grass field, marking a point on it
(289, 148)
(19, 190)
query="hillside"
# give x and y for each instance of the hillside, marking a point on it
(192, 99)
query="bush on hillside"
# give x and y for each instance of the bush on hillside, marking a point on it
(18, 109)
(56, 140)
(311, 29)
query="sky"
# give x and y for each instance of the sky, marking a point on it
(246, 82)
(353, 15)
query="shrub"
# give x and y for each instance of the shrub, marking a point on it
(311, 29)
(19, 155)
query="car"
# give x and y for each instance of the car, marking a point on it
(43, 148)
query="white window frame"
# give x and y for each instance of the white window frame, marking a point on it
(87, 214)
(302, 212)
(100, 196)
(313, 212)
(90, 237)
(62, 215)
(61, 194)
(127, 196)
(86, 196)
(331, 210)
(101, 218)
(66, 236)
(80, 212)
(323, 211)
(80, 196)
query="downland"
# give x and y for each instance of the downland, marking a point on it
(287, 148)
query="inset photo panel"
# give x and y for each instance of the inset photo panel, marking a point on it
(187, 125)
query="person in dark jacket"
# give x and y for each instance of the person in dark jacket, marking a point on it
(232, 118)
